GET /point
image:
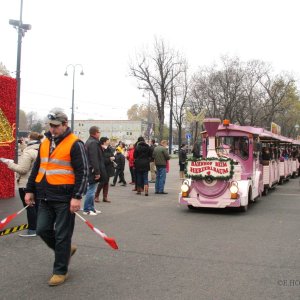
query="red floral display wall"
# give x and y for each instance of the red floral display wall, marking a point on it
(8, 89)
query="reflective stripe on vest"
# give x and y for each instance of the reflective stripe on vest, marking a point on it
(57, 167)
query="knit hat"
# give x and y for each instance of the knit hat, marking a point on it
(119, 149)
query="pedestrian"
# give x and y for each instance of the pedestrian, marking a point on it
(58, 180)
(130, 159)
(152, 164)
(182, 155)
(196, 150)
(108, 155)
(97, 170)
(23, 170)
(161, 156)
(142, 156)
(119, 172)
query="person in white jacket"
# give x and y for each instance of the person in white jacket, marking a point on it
(23, 170)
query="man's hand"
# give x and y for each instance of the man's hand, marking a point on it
(29, 199)
(97, 177)
(74, 205)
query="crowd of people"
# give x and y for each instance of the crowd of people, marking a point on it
(57, 171)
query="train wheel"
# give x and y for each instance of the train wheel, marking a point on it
(265, 191)
(244, 208)
(191, 207)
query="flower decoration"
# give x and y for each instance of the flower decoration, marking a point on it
(8, 92)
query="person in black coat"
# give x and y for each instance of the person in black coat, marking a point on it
(142, 156)
(120, 161)
(97, 172)
(108, 156)
(182, 155)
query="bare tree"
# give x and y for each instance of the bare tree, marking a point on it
(155, 73)
(181, 93)
(277, 90)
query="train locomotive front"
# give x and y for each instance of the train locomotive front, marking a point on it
(228, 174)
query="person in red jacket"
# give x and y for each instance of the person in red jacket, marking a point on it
(130, 159)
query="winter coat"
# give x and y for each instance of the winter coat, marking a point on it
(107, 154)
(142, 157)
(182, 156)
(26, 162)
(120, 161)
(130, 157)
(160, 155)
(96, 160)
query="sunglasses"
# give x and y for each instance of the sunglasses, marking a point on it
(51, 117)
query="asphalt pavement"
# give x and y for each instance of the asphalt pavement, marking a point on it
(165, 251)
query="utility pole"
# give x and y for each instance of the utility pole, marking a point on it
(171, 118)
(21, 28)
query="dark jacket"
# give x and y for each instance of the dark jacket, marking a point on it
(120, 161)
(45, 191)
(196, 151)
(142, 157)
(182, 156)
(152, 146)
(96, 160)
(107, 154)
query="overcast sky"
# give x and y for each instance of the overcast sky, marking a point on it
(104, 35)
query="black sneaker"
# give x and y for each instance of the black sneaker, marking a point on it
(112, 184)
(163, 193)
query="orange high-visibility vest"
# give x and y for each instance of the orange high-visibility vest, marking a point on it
(57, 167)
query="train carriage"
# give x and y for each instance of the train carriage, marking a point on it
(235, 168)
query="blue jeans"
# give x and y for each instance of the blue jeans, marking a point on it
(141, 178)
(160, 179)
(89, 197)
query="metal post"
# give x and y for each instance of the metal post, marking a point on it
(18, 78)
(72, 115)
(171, 118)
(148, 121)
(73, 90)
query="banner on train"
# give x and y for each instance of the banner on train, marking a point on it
(211, 167)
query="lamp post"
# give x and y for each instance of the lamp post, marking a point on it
(66, 74)
(21, 28)
(171, 118)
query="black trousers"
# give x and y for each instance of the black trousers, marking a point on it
(31, 211)
(119, 173)
(57, 214)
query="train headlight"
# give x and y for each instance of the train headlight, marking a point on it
(185, 189)
(234, 190)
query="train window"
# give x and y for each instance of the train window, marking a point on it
(237, 145)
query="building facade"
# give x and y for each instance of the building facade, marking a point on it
(126, 131)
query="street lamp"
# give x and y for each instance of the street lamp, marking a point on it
(66, 74)
(21, 28)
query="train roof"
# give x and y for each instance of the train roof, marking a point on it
(261, 132)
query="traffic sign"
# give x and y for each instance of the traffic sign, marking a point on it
(188, 136)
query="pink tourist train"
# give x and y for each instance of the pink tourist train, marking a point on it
(239, 164)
